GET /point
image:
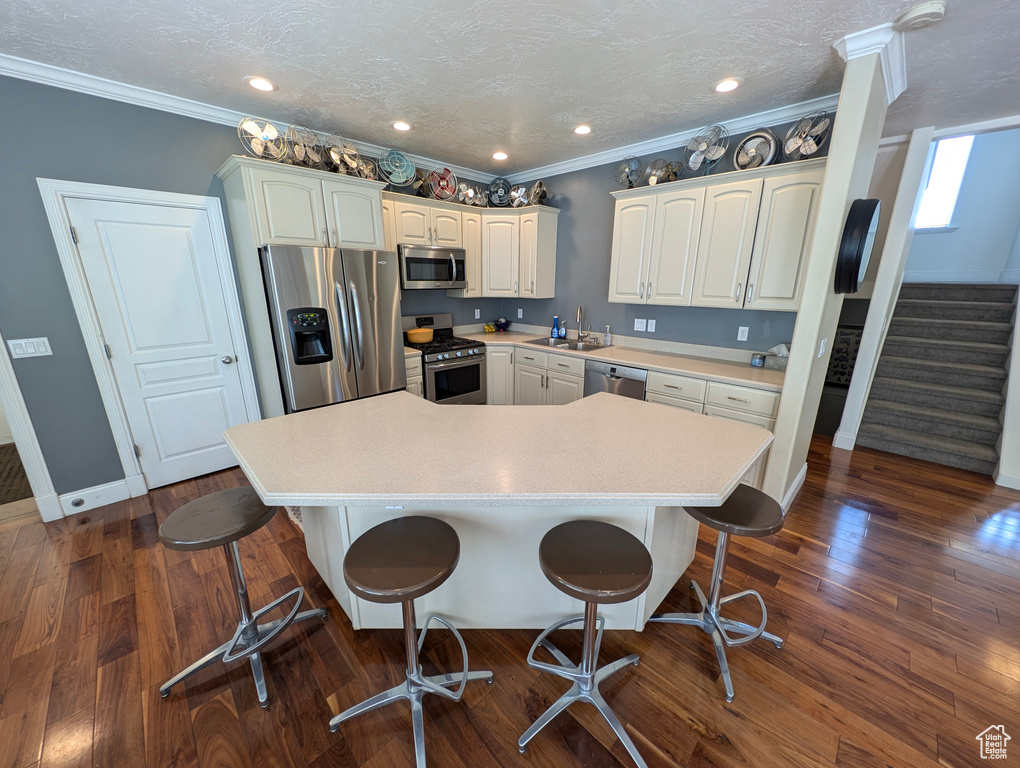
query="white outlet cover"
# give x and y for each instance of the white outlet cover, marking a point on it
(478, 314)
(821, 347)
(520, 314)
(639, 324)
(651, 326)
(742, 333)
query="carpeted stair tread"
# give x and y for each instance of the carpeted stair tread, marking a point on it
(941, 450)
(947, 350)
(987, 371)
(936, 396)
(983, 430)
(924, 387)
(952, 330)
(952, 374)
(981, 311)
(996, 292)
(940, 344)
(929, 414)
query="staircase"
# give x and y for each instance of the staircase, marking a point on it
(937, 392)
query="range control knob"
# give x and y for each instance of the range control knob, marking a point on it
(459, 354)
(474, 351)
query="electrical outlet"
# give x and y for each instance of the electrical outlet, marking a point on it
(742, 333)
(639, 324)
(478, 314)
(520, 314)
(821, 348)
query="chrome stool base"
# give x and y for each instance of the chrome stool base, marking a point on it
(719, 627)
(416, 685)
(250, 637)
(585, 676)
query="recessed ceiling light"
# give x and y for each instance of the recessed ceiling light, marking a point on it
(727, 85)
(582, 130)
(260, 83)
(499, 155)
(400, 125)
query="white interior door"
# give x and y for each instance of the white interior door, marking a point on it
(158, 297)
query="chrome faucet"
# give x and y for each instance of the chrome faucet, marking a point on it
(581, 335)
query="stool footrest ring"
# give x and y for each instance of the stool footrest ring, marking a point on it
(565, 668)
(429, 683)
(264, 634)
(720, 622)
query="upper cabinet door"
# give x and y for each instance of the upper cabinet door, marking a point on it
(355, 216)
(389, 224)
(632, 244)
(288, 208)
(781, 244)
(446, 228)
(413, 223)
(529, 254)
(675, 247)
(501, 245)
(472, 226)
(727, 237)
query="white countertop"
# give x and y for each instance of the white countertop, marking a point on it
(399, 449)
(702, 367)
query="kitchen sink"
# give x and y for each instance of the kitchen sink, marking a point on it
(576, 346)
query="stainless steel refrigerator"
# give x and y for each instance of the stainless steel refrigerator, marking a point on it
(335, 315)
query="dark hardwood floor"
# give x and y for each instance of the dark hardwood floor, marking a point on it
(895, 583)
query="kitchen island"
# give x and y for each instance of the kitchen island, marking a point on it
(501, 477)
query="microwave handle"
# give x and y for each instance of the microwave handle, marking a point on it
(453, 269)
(341, 303)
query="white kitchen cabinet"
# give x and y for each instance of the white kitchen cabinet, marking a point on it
(413, 372)
(727, 238)
(354, 215)
(560, 378)
(287, 205)
(519, 253)
(785, 221)
(472, 230)
(420, 223)
(389, 224)
(499, 366)
(529, 384)
(562, 388)
(655, 245)
(675, 402)
(501, 238)
(746, 404)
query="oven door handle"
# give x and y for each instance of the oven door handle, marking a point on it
(454, 363)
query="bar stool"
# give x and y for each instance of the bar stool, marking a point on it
(222, 518)
(747, 512)
(598, 563)
(396, 562)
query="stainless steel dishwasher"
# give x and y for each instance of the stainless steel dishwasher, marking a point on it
(618, 379)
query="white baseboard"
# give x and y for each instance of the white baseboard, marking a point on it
(136, 485)
(952, 276)
(1011, 276)
(6, 440)
(49, 507)
(844, 440)
(1007, 481)
(96, 496)
(798, 483)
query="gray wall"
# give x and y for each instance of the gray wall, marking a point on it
(66, 135)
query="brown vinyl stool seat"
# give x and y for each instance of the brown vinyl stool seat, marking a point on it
(746, 512)
(222, 519)
(597, 563)
(396, 562)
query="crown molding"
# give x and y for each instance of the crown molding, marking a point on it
(674, 140)
(58, 77)
(887, 42)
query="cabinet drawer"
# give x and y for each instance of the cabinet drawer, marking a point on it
(747, 418)
(537, 359)
(742, 399)
(412, 365)
(564, 364)
(676, 386)
(675, 402)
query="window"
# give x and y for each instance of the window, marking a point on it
(939, 197)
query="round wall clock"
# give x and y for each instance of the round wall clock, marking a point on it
(856, 245)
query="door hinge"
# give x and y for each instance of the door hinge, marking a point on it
(109, 354)
(138, 452)
(74, 236)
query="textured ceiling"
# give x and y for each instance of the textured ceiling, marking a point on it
(479, 76)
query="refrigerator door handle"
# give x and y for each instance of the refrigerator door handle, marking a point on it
(359, 335)
(345, 354)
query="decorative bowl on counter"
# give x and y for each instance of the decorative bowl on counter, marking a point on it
(502, 324)
(419, 335)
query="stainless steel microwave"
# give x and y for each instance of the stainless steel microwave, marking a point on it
(429, 266)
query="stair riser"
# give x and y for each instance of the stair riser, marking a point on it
(937, 376)
(934, 401)
(931, 427)
(949, 292)
(926, 454)
(995, 313)
(924, 329)
(922, 351)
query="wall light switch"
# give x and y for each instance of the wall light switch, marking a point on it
(29, 347)
(821, 348)
(651, 326)
(639, 324)
(478, 313)
(742, 333)
(520, 314)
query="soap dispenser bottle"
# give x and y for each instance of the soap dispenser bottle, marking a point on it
(555, 333)
(607, 339)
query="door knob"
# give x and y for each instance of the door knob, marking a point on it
(226, 359)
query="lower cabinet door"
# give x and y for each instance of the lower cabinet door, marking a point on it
(499, 368)
(563, 388)
(416, 386)
(675, 402)
(755, 474)
(529, 385)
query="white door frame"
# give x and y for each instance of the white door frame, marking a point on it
(53, 192)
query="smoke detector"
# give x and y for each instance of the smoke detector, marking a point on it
(921, 15)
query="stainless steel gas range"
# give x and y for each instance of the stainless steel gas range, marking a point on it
(454, 367)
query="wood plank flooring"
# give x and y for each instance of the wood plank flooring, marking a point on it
(895, 583)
